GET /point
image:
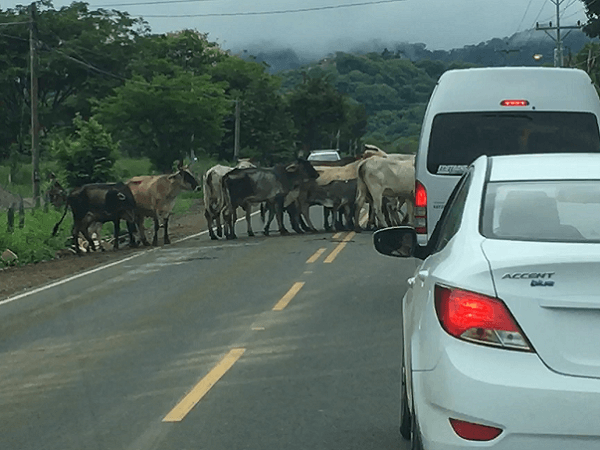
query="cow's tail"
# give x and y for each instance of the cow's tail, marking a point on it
(55, 229)
(263, 210)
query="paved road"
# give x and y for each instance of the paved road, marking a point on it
(259, 343)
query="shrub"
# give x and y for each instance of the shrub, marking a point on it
(88, 157)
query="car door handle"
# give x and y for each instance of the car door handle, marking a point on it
(422, 274)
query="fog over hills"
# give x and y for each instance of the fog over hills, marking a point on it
(516, 50)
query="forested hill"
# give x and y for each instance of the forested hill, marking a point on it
(393, 85)
(516, 50)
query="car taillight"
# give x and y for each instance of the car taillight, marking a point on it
(478, 318)
(420, 208)
(474, 431)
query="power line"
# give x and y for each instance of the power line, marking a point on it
(285, 11)
(158, 2)
(524, 14)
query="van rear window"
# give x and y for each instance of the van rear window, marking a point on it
(457, 139)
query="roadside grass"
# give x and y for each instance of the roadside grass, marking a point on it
(34, 242)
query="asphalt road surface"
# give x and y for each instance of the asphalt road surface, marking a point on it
(281, 342)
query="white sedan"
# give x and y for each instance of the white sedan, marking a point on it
(501, 321)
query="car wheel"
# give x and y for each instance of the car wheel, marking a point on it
(405, 418)
(416, 441)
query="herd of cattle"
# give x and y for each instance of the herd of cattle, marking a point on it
(343, 187)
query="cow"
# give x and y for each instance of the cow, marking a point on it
(101, 202)
(214, 197)
(390, 177)
(278, 186)
(155, 197)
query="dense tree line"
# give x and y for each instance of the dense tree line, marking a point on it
(149, 95)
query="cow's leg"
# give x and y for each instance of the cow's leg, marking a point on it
(230, 218)
(209, 222)
(361, 198)
(305, 213)
(270, 215)
(247, 208)
(326, 212)
(166, 224)
(117, 224)
(378, 207)
(131, 227)
(75, 234)
(219, 226)
(279, 215)
(156, 227)
(294, 213)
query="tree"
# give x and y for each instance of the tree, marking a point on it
(82, 54)
(318, 110)
(267, 128)
(592, 11)
(86, 157)
(167, 117)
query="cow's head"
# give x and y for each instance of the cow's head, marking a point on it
(303, 169)
(185, 179)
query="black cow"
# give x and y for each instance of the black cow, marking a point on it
(102, 202)
(277, 186)
(336, 196)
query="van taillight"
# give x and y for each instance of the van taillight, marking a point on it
(420, 208)
(514, 103)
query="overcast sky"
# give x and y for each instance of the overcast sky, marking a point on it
(335, 25)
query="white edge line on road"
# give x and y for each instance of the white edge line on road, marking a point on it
(97, 269)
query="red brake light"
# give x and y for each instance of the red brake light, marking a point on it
(420, 195)
(514, 103)
(420, 208)
(478, 318)
(474, 431)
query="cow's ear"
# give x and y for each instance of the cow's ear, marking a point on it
(179, 165)
(292, 167)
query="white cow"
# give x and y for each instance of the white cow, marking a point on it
(380, 177)
(214, 197)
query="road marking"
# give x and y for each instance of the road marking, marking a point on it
(316, 256)
(178, 413)
(97, 269)
(336, 236)
(289, 296)
(339, 247)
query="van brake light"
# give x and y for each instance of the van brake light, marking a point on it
(514, 103)
(420, 208)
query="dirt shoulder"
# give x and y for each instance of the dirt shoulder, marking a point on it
(15, 280)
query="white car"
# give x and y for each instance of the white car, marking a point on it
(324, 155)
(501, 321)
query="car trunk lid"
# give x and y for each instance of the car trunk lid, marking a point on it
(553, 291)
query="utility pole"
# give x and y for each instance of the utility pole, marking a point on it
(236, 135)
(35, 127)
(558, 51)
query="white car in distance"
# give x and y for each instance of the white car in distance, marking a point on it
(501, 321)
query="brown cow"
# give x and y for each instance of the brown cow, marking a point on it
(155, 197)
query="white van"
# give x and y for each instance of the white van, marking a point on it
(498, 111)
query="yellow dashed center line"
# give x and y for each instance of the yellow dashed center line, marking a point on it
(336, 236)
(316, 256)
(289, 296)
(195, 395)
(339, 247)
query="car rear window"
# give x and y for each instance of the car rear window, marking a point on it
(457, 139)
(554, 211)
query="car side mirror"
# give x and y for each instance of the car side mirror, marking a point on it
(400, 242)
